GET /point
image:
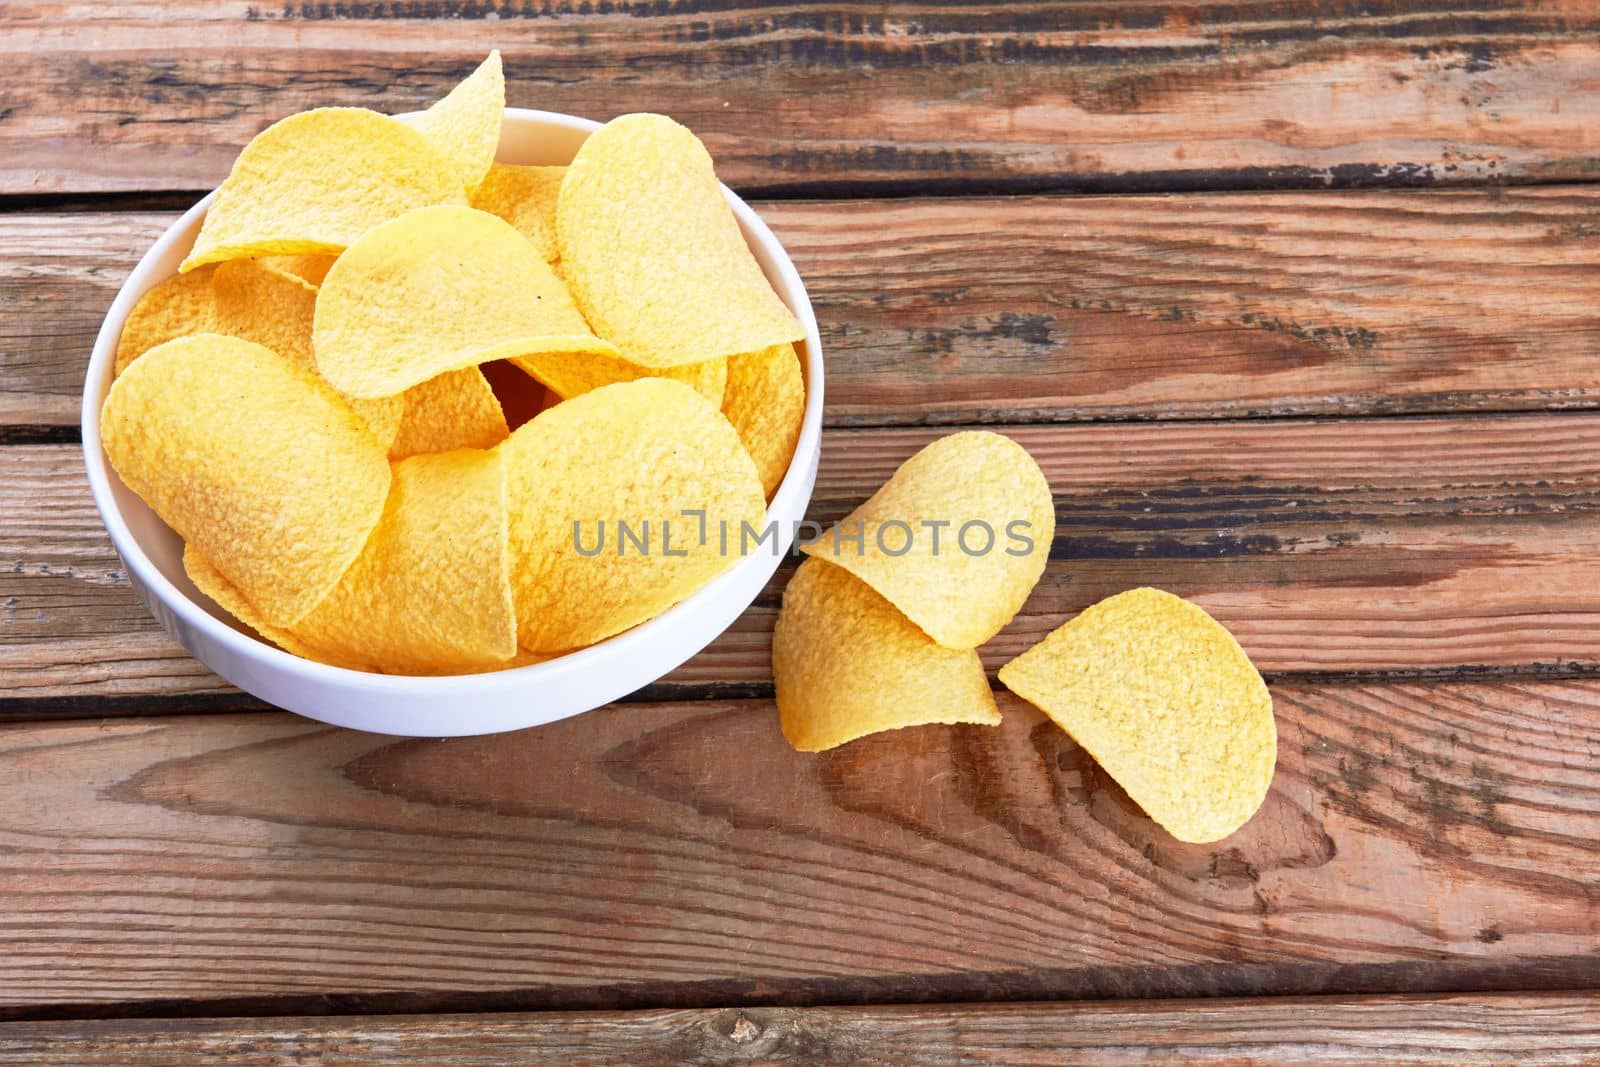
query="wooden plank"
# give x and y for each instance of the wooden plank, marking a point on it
(1520, 1028)
(1383, 545)
(1050, 308)
(1417, 837)
(1108, 96)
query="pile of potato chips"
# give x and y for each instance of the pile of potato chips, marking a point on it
(879, 630)
(306, 402)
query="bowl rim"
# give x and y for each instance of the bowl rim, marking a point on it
(97, 383)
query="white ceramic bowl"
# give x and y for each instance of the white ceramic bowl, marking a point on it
(462, 704)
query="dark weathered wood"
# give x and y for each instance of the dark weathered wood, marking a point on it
(1051, 308)
(1382, 545)
(1510, 1028)
(1417, 837)
(1114, 95)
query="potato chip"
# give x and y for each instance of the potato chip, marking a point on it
(431, 589)
(570, 374)
(847, 664)
(214, 585)
(1163, 697)
(465, 125)
(653, 253)
(257, 302)
(210, 581)
(766, 402)
(174, 307)
(455, 410)
(316, 181)
(598, 490)
(308, 267)
(526, 198)
(956, 539)
(436, 290)
(265, 469)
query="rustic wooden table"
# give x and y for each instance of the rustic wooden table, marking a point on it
(1319, 351)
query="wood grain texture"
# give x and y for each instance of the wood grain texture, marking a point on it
(1523, 1029)
(1416, 837)
(1053, 308)
(1118, 96)
(1382, 545)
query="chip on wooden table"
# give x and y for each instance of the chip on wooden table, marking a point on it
(465, 124)
(457, 409)
(316, 181)
(1163, 698)
(846, 664)
(435, 290)
(766, 402)
(654, 254)
(525, 197)
(956, 539)
(570, 374)
(634, 455)
(265, 469)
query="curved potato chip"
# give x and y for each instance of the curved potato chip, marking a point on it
(210, 581)
(309, 267)
(465, 125)
(435, 290)
(526, 198)
(455, 410)
(766, 402)
(1163, 697)
(847, 664)
(431, 590)
(214, 585)
(635, 454)
(264, 469)
(653, 253)
(257, 302)
(956, 539)
(174, 307)
(570, 374)
(316, 181)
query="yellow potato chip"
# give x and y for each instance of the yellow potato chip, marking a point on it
(766, 402)
(257, 302)
(455, 410)
(465, 125)
(316, 181)
(598, 488)
(570, 374)
(847, 664)
(214, 585)
(1163, 697)
(653, 253)
(956, 540)
(265, 469)
(431, 589)
(308, 267)
(526, 198)
(436, 290)
(210, 581)
(174, 307)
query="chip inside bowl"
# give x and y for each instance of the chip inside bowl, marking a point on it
(956, 539)
(465, 125)
(623, 501)
(654, 254)
(265, 469)
(457, 409)
(846, 664)
(1163, 698)
(570, 374)
(526, 198)
(316, 181)
(766, 402)
(435, 290)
